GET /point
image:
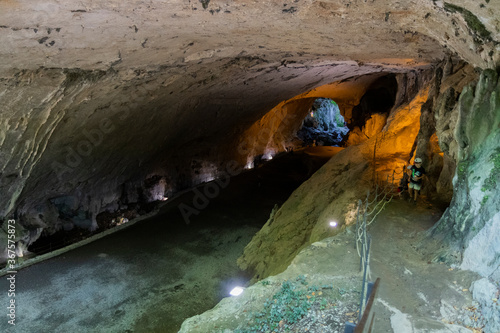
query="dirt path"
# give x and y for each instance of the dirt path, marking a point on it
(416, 295)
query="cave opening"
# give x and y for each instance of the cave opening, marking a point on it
(324, 124)
(379, 99)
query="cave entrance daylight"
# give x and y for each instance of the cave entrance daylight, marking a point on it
(324, 125)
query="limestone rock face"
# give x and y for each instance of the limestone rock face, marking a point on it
(91, 35)
(317, 201)
(471, 223)
(372, 127)
(235, 313)
(477, 155)
(435, 143)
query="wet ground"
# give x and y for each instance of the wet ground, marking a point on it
(152, 275)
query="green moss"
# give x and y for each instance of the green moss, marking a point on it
(79, 75)
(462, 168)
(490, 183)
(287, 306)
(205, 3)
(472, 21)
(323, 304)
(495, 157)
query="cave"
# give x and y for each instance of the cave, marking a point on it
(154, 155)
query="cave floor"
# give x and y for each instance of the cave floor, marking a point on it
(416, 294)
(152, 275)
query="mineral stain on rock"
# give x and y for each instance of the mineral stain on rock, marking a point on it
(204, 3)
(42, 40)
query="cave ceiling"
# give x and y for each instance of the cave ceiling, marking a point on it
(156, 78)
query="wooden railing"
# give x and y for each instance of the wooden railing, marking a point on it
(365, 325)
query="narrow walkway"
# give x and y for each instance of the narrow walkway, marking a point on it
(415, 295)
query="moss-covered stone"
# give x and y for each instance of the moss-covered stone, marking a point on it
(472, 21)
(462, 168)
(79, 75)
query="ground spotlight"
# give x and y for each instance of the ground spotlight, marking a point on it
(236, 291)
(333, 224)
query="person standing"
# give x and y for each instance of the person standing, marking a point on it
(416, 176)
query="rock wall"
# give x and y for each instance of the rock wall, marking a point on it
(470, 225)
(470, 138)
(274, 132)
(434, 144)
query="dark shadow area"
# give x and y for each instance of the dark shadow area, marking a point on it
(379, 98)
(151, 276)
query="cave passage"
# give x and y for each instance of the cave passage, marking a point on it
(379, 98)
(156, 273)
